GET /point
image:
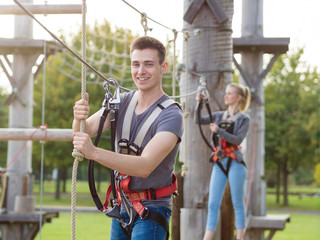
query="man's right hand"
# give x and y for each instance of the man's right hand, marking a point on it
(81, 109)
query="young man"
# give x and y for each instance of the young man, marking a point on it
(151, 169)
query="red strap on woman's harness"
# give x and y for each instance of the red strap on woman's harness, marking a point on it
(137, 197)
(227, 151)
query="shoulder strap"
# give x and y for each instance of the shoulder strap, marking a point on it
(145, 127)
(128, 116)
(234, 117)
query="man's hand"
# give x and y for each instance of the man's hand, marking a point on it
(83, 143)
(81, 109)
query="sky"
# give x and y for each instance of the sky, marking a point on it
(295, 19)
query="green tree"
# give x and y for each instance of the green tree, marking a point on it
(60, 94)
(291, 93)
(317, 175)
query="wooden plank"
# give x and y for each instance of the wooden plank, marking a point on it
(268, 222)
(7, 134)
(10, 46)
(14, 217)
(266, 45)
(42, 9)
(193, 10)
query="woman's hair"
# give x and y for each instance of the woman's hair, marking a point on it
(145, 42)
(244, 92)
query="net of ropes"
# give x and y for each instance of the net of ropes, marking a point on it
(109, 53)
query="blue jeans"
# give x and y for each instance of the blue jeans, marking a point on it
(142, 229)
(237, 176)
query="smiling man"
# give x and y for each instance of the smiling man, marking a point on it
(146, 158)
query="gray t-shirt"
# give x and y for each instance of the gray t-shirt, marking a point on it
(170, 120)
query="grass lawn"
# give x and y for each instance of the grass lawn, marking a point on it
(301, 226)
(97, 226)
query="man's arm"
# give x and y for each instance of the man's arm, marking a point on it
(140, 166)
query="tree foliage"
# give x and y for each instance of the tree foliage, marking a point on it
(292, 114)
(60, 93)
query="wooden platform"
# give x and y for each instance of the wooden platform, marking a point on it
(272, 222)
(30, 221)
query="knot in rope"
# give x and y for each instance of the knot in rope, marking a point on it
(77, 155)
(144, 23)
(184, 168)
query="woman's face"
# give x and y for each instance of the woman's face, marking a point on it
(231, 97)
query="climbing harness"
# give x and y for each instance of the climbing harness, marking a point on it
(221, 148)
(119, 187)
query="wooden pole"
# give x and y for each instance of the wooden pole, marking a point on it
(23, 134)
(41, 9)
(210, 53)
(252, 64)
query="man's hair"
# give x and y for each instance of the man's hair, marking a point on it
(145, 42)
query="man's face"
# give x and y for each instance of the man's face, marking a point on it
(146, 70)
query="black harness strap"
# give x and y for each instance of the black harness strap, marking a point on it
(225, 171)
(91, 180)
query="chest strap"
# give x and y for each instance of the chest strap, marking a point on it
(127, 147)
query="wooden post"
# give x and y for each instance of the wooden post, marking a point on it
(210, 54)
(251, 63)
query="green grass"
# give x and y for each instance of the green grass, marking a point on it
(304, 203)
(301, 226)
(97, 226)
(88, 226)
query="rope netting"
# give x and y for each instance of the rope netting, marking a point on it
(109, 54)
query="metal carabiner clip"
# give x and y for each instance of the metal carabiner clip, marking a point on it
(202, 88)
(114, 102)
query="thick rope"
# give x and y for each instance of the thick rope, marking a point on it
(76, 153)
(186, 113)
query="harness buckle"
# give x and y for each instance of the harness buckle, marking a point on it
(152, 194)
(124, 146)
(134, 149)
(145, 213)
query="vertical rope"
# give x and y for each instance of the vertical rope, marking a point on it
(42, 142)
(186, 113)
(175, 32)
(76, 153)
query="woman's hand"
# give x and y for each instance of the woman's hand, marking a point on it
(214, 127)
(198, 97)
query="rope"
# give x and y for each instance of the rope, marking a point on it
(76, 153)
(42, 142)
(146, 15)
(144, 23)
(186, 114)
(175, 35)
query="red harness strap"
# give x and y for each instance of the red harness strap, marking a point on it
(228, 151)
(137, 197)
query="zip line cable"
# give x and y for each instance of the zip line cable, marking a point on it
(142, 14)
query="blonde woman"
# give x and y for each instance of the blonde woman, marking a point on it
(228, 128)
